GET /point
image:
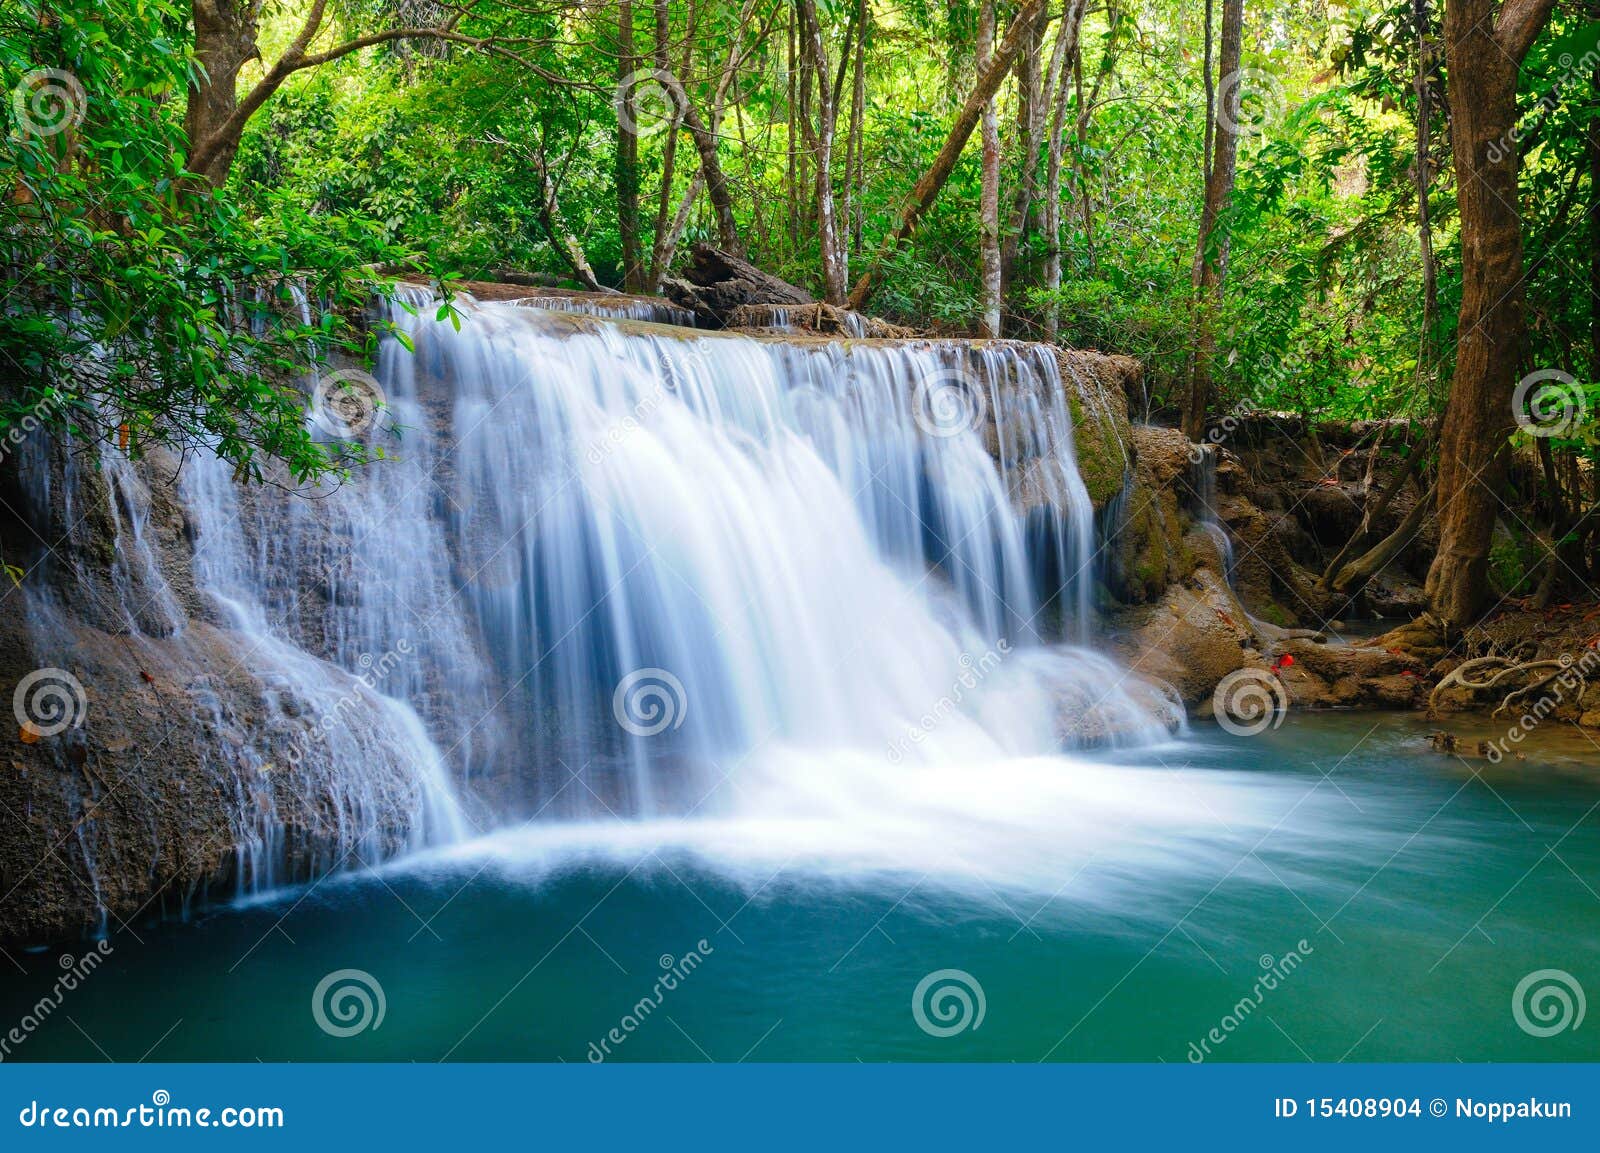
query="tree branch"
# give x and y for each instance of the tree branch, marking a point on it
(1519, 25)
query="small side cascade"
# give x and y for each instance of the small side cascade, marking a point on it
(1203, 490)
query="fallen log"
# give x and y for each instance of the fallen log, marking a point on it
(718, 282)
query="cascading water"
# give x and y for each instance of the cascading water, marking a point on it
(1203, 487)
(681, 552)
(311, 767)
(614, 571)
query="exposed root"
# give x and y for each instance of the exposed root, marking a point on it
(1422, 641)
(1516, 695)
(1499, 670)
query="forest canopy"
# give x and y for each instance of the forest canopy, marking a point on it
(1269, 204)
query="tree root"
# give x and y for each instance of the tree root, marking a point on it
(1422, 641)
(1529, 689)
(1499, 669)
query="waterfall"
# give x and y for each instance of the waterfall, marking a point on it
(614, 570)
(622, 308)
(753, 543)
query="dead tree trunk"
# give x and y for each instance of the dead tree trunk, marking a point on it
(1359, 571)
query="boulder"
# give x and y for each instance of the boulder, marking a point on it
(1194, 636)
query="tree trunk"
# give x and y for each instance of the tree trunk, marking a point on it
(662, 244)
(853, 146)
(667, 238)
(627, 156)
(1373, 510)
(705, 143)
(1034, 92)
(928, 186)
(1086, 106)
(1430, 270)
(1065, 56)
(226, 39)
(1211, 252)
(224, 42)
(791, 111)
(1482, 55)
(555, 227)
(1359, 571)
(989, 194)
(820, 137)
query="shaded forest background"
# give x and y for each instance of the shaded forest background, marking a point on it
(1346, 211)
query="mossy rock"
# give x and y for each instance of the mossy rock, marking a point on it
(1097, 395)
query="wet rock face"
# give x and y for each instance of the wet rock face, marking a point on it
(1145, 527)
(1097, 391)
(1216, 556)
(163, 754)
(1196, 634)
(1199, 633)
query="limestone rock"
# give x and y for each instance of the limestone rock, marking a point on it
(1194, 636)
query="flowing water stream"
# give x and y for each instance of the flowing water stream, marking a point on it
(1394, 900)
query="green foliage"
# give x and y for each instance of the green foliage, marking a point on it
(142, 309)
(151, 310)
(1140, 320)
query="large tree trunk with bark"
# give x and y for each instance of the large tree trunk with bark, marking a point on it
(1483, 55)
(224, 42)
